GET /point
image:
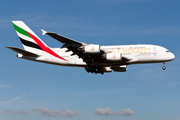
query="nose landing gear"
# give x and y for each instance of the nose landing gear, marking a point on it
(164, 66)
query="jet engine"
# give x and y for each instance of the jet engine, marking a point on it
(92, 49)
(121, 68)
(114, 56)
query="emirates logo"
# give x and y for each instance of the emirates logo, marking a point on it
(92, 48)
(114, 56)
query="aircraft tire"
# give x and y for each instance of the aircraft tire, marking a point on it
(163, 67)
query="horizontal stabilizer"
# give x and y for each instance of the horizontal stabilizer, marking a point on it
(23, 52)
(61, 38)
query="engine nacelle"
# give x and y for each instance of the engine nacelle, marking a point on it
(121, 68)
(114, 56)
(92, 49)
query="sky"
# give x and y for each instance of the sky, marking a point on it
(37, 91)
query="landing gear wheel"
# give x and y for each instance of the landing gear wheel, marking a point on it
(163, 67)
(102, 72)
(94, 69)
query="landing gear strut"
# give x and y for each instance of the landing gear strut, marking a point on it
(164, 66)
(95, 69)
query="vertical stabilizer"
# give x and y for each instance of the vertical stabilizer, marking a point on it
(31, 42)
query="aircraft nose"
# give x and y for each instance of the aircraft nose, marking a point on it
(172, 56)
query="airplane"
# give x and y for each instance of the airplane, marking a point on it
(92, 57)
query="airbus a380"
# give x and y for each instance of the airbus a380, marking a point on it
(92, 57)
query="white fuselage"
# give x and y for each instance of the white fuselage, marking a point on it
(136, 54)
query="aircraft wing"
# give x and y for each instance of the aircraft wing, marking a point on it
(62, 38)
(78, 49)
(75, 46)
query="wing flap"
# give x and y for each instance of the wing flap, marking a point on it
(23, 52)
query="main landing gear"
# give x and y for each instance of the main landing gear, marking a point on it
(164, 66)
(95, 69)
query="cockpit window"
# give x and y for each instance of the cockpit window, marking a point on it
(167, 51)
